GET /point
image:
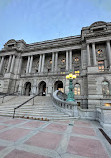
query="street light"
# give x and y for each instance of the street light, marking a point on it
(70, 96)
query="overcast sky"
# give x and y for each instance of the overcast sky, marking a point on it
(39, 20)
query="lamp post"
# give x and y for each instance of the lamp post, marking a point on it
(70, 96)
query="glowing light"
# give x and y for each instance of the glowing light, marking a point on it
(71, 76)
(107, 104)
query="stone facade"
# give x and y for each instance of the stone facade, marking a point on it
(29, 69)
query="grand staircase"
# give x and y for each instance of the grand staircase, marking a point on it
(42, 109)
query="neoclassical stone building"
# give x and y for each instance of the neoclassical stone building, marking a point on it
(42, 67)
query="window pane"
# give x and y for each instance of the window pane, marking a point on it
(77, 89)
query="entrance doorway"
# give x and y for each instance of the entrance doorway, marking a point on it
(58, 86)
(27, 88)
(42, 88)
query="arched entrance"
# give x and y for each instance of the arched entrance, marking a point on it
(58, 86)
(42, 88)
(27, 88)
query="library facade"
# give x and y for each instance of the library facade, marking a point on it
(28, 69)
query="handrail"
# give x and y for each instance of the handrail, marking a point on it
(26, 102)
(7, 94)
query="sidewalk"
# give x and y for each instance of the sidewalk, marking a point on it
(24, 138)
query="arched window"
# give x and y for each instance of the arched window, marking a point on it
(105, 88)
(100, 53)
(50, 61)
(101, 65)
(77, 89)
(63, 61)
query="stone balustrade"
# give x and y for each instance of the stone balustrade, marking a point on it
(69, 108)
(101, 114)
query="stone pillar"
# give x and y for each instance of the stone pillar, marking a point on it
(88, 55)
(67, 60)
(20, 66)
(109, 53)
(31, 61)
(70, 60)
(43, 61)
(52, 62)
(40, 61)
(28, 62)
(12, 64)
(56, 60)
(1, 65)
(94, 54)
(9, 63)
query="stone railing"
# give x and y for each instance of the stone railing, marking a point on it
(61, 95)
(101, 114)
(59, 102)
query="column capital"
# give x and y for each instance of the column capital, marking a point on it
(108, 42)
(93, 43)
(88, 44)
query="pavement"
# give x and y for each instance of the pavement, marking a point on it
(25, 138)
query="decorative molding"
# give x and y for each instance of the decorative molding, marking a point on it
(98, 23)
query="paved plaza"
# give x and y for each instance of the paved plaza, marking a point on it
(24, 138)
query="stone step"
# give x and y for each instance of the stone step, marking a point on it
(28, 109)
(37, 113)
(36, 116)
(43, 108)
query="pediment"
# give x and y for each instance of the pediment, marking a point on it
(98, 23)
(12, 41)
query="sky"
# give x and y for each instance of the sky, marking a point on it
(40, 20)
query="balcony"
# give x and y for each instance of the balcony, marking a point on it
(60, 73)
(45, 74)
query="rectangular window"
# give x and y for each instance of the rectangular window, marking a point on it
(101, 65)
(98, 29)
(77, 73)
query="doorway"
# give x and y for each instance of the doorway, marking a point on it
(42, 88)
(27, 88)
(58, 86)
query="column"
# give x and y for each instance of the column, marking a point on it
(40, 61)
(94, 54)
(30, 67)
(1, 65)
(12, 64)
(67, 59)
(56, 60)
(20, 66)
(28, 62)
(109, 52)
(9, 63)
(88, 55)
(70, 59)
(52, 62)
(43, 61)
